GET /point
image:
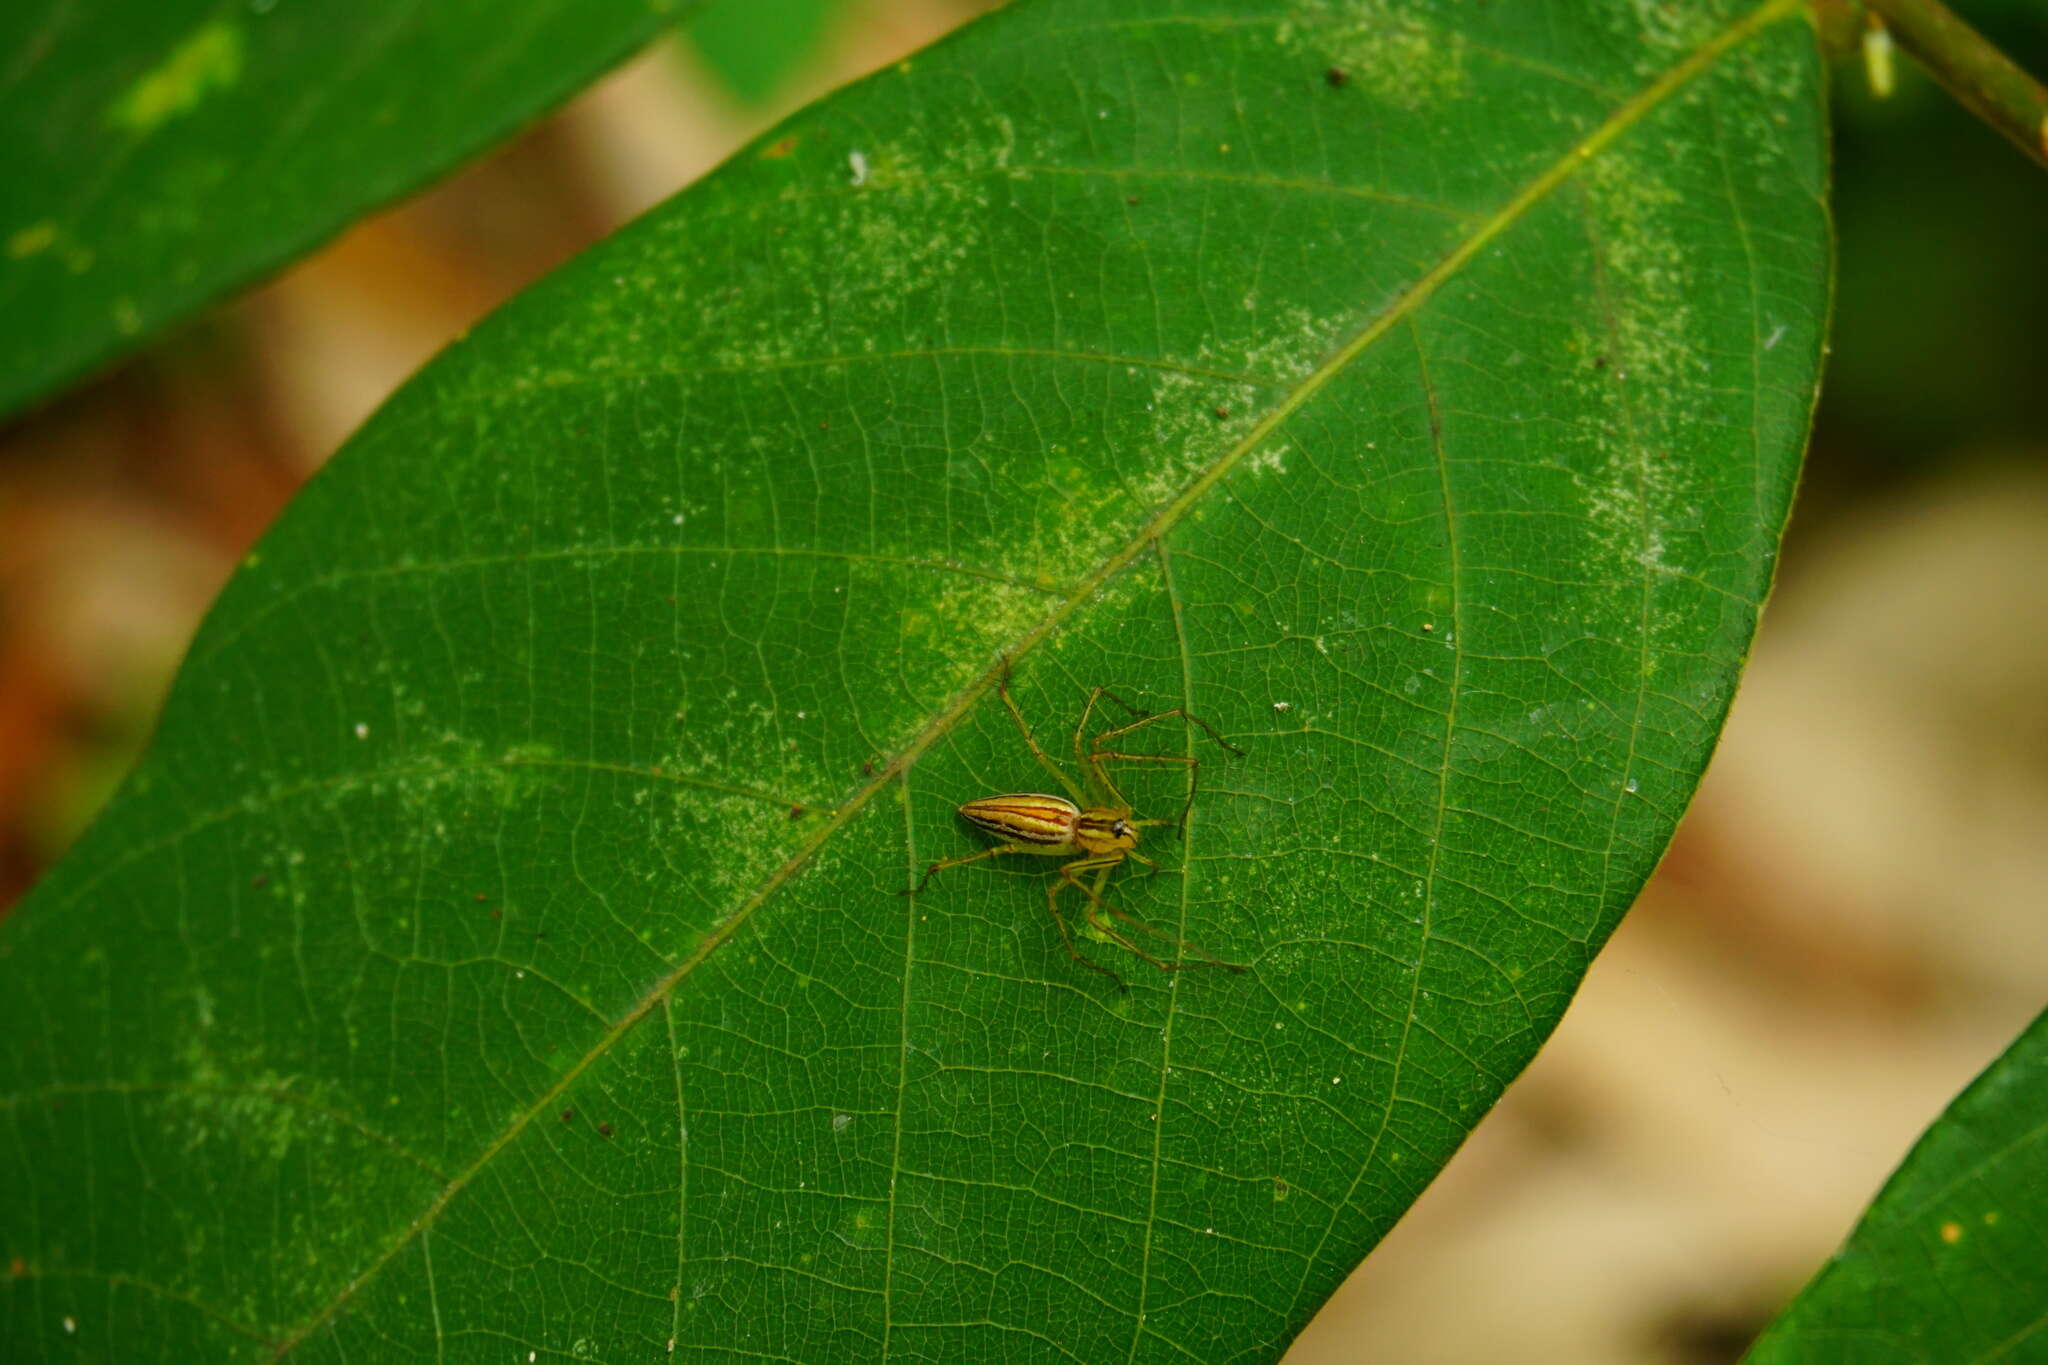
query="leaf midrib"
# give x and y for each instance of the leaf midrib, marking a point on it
(1405, 305)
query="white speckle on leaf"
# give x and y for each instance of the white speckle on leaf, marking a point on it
(362, 730)
(1270, 460)
(859, 163)
(1777, 335)
(1283, 707)
(209, 60)
(71, 1324)
(1391, 53)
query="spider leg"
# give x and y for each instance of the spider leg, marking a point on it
(1091, 762)
(1098, 910)
(964, 859)
(1024, 728)
(1209, 959)
(1093, 773)
(1193, 765)
(1052, 894)
(1145, 718)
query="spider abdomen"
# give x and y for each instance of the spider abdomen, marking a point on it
(1025, 818)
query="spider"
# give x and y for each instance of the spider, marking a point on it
(1100, 829)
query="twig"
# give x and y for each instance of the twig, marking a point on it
(1976, 73)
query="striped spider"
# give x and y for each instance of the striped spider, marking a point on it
(1097, 828)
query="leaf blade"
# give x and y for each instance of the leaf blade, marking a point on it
(1474, 636)
(1937, 1267)
(167, 154)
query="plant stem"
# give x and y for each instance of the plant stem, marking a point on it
(1975, 72)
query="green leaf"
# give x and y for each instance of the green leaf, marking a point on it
(502, 949)
(755, 47)
(162, 153)
(1947, 1264)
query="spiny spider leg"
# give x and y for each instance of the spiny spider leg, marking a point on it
(1024, 728)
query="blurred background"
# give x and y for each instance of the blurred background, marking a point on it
(1852, 921)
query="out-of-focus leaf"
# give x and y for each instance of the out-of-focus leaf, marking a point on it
(503, 949)
(755, 46)
(161, 153)
(1948, 1264)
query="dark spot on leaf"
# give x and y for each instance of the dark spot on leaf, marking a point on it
(1599, 362)
(780, 148)
(259, 881)
(795, 812)
(1336, 77)
(605, 1129)
(568, 1116)
(1222, 413)
(1132, 199)
(867, 769)
(480, 898)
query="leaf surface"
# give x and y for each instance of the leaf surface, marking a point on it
(757, 46)
(502, 949)
(1948, 1262)
(162, 153)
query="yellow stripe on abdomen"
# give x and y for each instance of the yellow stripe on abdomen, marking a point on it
(1024, 817)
